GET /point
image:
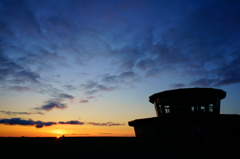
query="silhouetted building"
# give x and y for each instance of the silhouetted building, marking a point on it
(188, 114)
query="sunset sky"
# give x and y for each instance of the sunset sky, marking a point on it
(87, 67)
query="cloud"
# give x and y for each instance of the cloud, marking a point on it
(22, 18)
(12, 72)
(122, 77)
(106, 124)
(49, 105)
(55, 103)
(66, 96)
(145, 64)
(177, 85)
(88, 98)
(91, 97)
(55, 93)
(76, 122)
(90, 92)
(69, 87)
(108, 83)
(110, 78)
(72, 122)
(127, 56)
(28, 76)
(40, 124)
(83, 101)
(128, 74)
(29, 122)
(154, 72)
(21, 113)
(105, 88)
(204, 82)
(20, 89)
(89, 85)
(92, 87)
(226, 74)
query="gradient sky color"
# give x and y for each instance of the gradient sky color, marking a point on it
(87, 67)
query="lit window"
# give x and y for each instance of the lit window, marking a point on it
(192, 108)
(202, 108)
(210, 107)
(167, 109)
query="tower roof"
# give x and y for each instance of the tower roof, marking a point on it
(188, 91)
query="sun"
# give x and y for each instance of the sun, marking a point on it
(58, 137)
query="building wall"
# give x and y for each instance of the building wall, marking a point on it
(225, 127)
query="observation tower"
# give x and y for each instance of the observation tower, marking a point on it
(188, 114)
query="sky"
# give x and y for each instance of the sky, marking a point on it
(87, 67)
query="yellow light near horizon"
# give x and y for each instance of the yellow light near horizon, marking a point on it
(66, 130)
(27, 131)
(59, 132)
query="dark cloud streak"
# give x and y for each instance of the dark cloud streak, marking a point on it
(83, 101)
(72, 122)
(20, 88)
(92, 87)
(29, 122)
(49, 105)
(12, 72)
(105, 124)
(21, 113)
(64, 96)
(40, 124)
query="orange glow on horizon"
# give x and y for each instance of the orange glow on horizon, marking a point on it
(66, 130)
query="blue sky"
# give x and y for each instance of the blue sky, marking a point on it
(98, 61)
